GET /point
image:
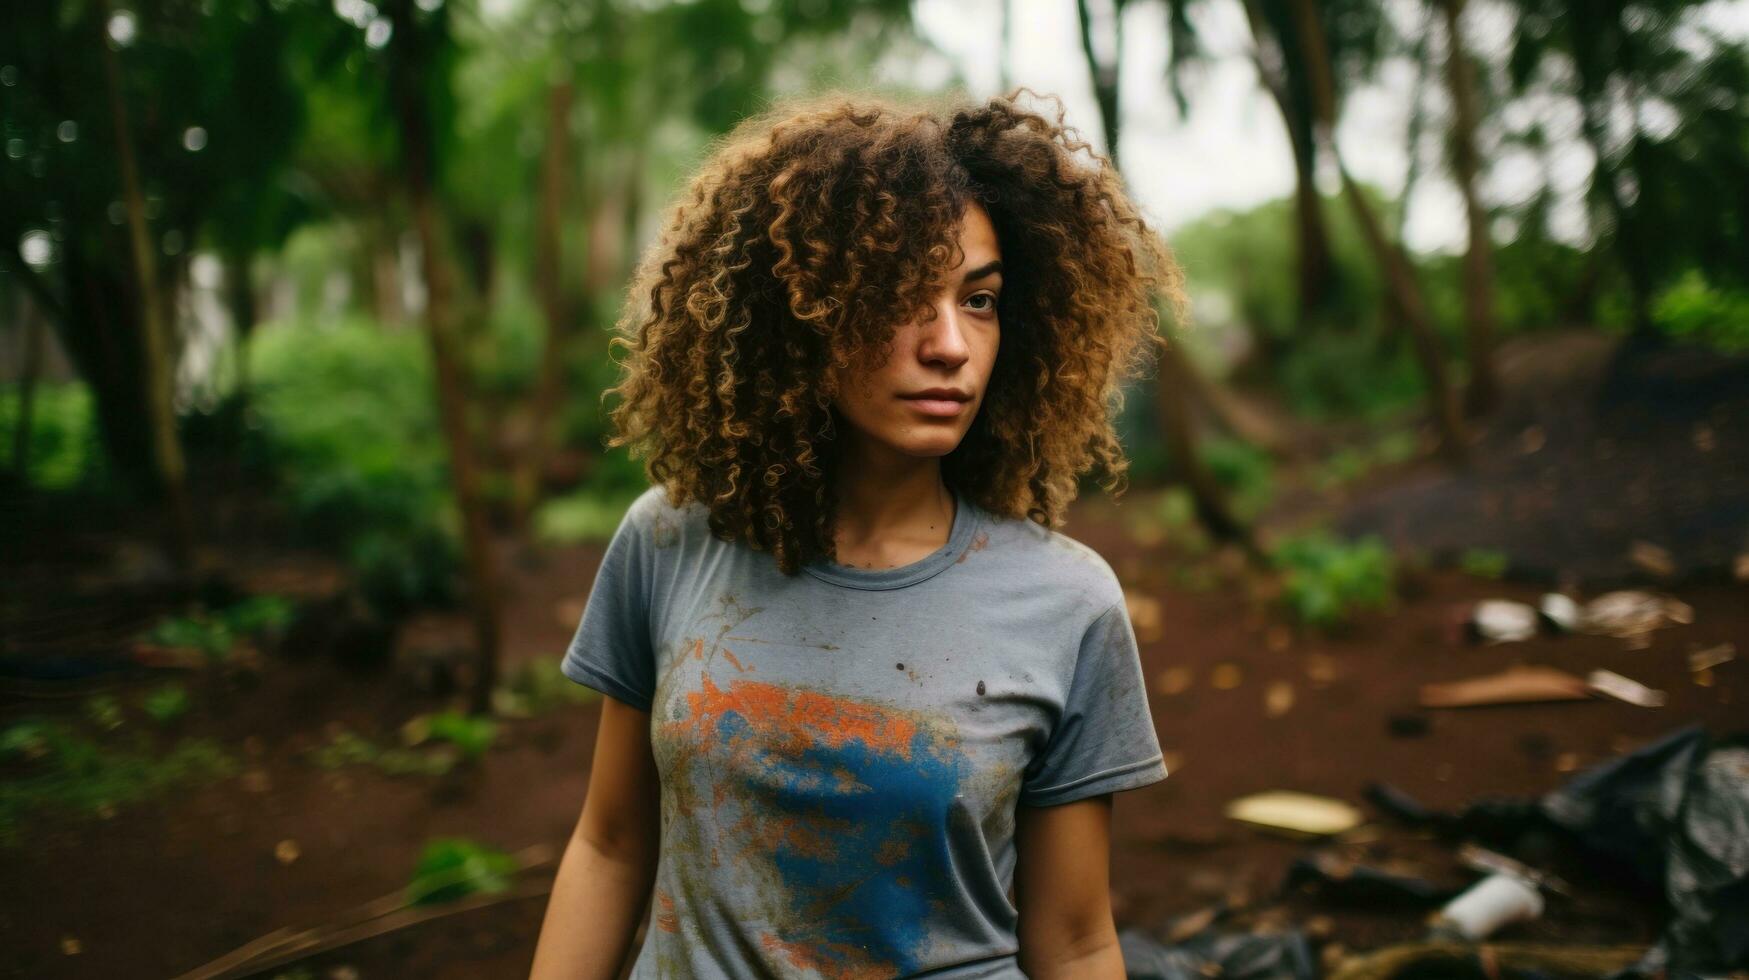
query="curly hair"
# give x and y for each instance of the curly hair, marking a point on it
(809, 234)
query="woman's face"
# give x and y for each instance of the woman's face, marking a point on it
(921, 401)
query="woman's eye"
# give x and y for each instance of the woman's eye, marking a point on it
(989, 301)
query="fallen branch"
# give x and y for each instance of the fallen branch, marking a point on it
(1386, 963)
(387, 914)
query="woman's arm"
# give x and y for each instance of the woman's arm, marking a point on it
(1062, 887)
(605, 875)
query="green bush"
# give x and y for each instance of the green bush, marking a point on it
(1325, 580)
(537, 686)
(1693, 310)
(455, 867)
(472, 735)
(347, 748)
(1484, 562)
(166, 704)
(584, 515)
(54, 767)
(65, 452)
(215, 632)
(348, 422)
(1245, 471)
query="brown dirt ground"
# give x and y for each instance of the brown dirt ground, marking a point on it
(162, 887)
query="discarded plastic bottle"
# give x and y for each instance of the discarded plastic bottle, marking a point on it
(1495, 901)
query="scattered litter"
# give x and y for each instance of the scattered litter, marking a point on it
(1225, 677)
(1669, 814)
(1228, 955)
(286, 851)
(1713, 656)
(1478, 858)
(1299, 814)
(1493, 902)
(1514, 685)
(1632, 615)
(1560, 612)
(1502, 621)
(1334, 879)
(1320, 668)
(1612, 684)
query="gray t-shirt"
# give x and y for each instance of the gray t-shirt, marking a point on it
(841, 752)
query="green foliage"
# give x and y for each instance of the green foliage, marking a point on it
(1484, 562)
(584, 515)
(64, 451)
(260, 614)
(346, 748)
(1350, 375)
(456, 867)
(55, 768)
(348, 422)
(214, 633)
(104, 711)
(1326, 580)
(1350, 463)
(1245, 471)
(1692, 309)
(166, 704)
(473, 735)
(210, 635)
(535, 687)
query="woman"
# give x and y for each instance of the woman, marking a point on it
(865, 708)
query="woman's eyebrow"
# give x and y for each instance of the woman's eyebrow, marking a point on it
(989, 268)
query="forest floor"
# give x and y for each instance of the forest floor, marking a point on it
(159, 887)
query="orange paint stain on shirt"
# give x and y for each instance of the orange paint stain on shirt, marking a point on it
(732, 659)
(837, 961)
(804, 717)
(666, 918)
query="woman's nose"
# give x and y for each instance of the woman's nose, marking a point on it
(944, 338)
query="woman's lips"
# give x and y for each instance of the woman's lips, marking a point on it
(944, 407)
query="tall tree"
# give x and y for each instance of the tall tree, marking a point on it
(1308, 36)
(157, 360)
(1481, 392)
(1177, 381)
(418, 77)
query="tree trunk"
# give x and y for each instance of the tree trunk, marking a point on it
(1105, 75)
(1312, 234)
(1481, 394)
(1399, 275)
(156, 362)
(1178, 377)
(408, 69)
(1179, 430)
(550, 285)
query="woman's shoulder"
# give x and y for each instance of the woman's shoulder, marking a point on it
(661, 522)
(1056, 559)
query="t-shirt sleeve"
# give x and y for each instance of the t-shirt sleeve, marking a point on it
(612, 651)
(1104, 741)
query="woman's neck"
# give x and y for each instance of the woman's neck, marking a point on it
(893, 509)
